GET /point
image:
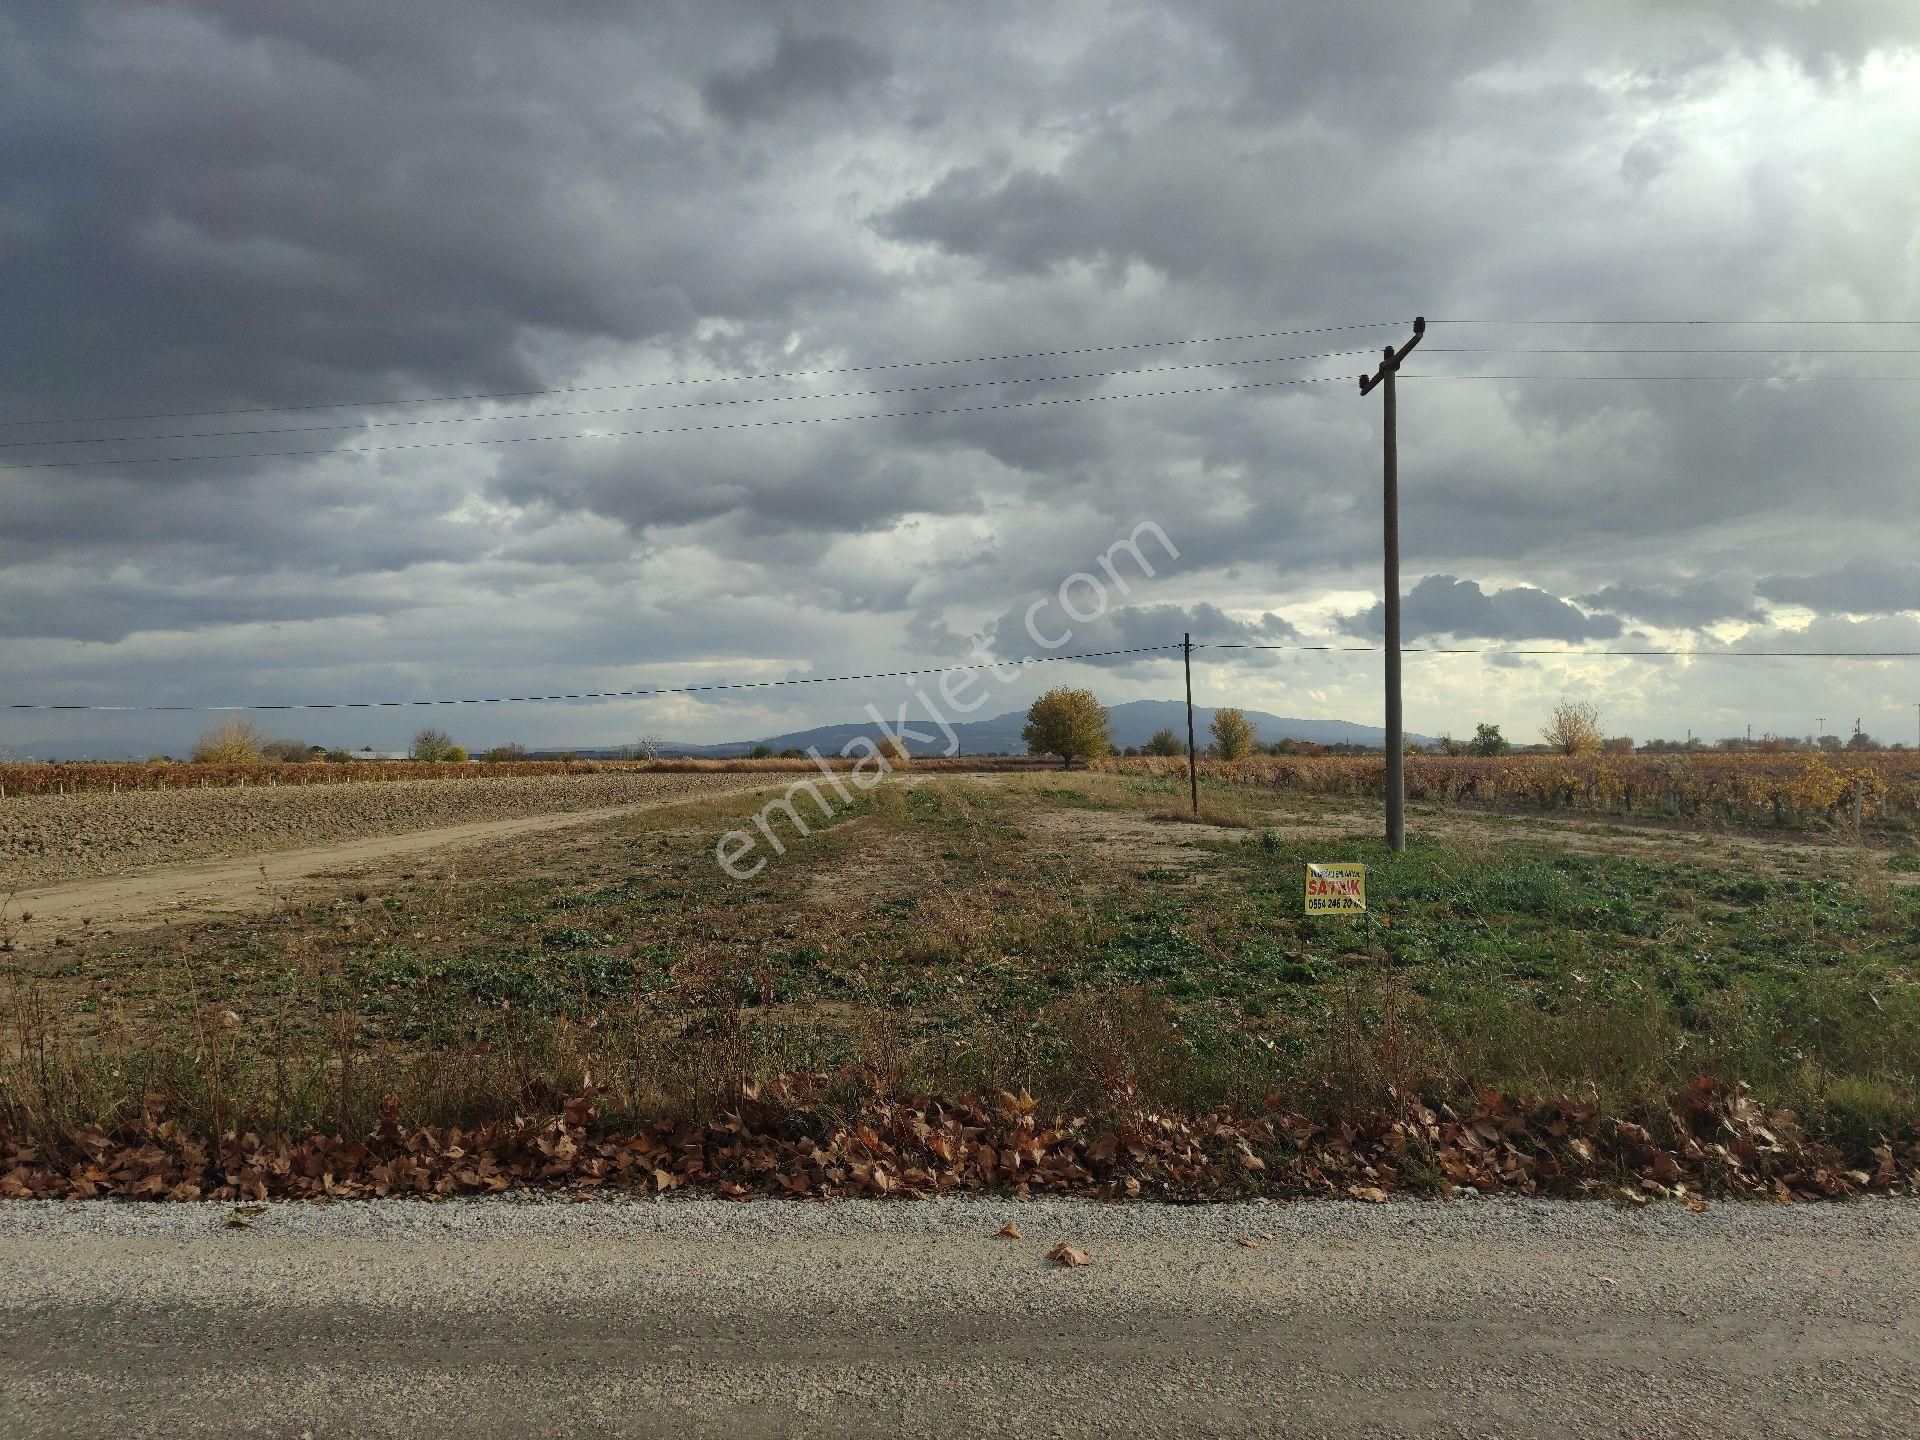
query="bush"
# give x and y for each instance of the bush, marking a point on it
(339, 757)
(505, 754)
(432, 744)
(232, 742)
(1487, 741)
(1165, 742)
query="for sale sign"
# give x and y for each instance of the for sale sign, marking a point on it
(1336, 889)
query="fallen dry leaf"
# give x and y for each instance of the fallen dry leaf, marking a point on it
(1010, 1231)
(1069, 1255)
(1711, 1138)
(243, 1217)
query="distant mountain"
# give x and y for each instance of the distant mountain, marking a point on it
(1133, 723)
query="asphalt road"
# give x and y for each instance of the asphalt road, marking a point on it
(1467, 1318)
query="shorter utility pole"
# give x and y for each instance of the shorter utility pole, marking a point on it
(1390, 498)
(1193, 770)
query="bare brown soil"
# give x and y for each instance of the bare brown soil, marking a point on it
(49, 839)
(55, 915)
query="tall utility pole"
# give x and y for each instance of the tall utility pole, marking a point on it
(1390, 495)
(1193, 763)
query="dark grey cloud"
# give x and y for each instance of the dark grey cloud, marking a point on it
(1692, 603)
(235, 204)
(1024, 630)
(1443, 605)
(802, 68)
(1023, 221)
(1866, 587)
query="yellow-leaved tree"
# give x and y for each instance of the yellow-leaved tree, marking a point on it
(1069, 723)
(1232, 733)
(1574, 728)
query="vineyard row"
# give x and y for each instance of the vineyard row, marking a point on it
(106, 776)
(1786, 790)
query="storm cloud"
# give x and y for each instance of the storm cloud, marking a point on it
(1442, 605)
(1010, 278)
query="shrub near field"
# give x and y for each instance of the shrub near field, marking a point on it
(1784, 789)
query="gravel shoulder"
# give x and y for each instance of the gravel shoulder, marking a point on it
(703, 1318)
(266, 872)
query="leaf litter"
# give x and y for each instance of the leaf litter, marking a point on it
(788, 1139)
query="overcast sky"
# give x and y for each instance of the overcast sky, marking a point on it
(228, 207)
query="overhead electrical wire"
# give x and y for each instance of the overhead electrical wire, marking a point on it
(1432, 321)
(612, 694)
(1215, 364)
(710, 379)
(1583, 654)
(1783, 379)
(971, 665)
(688, 404)
(667, 429)
(751, 376)
(1664, 350)
(88, 462)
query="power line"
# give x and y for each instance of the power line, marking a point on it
(708, 379)
(751, 376)
(1674, 322)
(1585, 654)
(686, 404)
(599, 694)
(1668, 350)
(668, 429)
(972, 665)
(337, 450)
(1784, 379)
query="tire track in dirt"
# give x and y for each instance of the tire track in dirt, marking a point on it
(37, 919)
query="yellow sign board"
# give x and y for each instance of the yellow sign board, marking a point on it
(1336, 889)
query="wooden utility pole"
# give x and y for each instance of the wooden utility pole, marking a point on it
(1193, 771)
(1390, 496)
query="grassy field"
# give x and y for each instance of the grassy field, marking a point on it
(1074, 938)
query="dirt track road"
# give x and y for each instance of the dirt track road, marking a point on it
(247, 884)
(701, 1318)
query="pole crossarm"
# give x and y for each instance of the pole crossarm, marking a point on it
(1391, 360)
